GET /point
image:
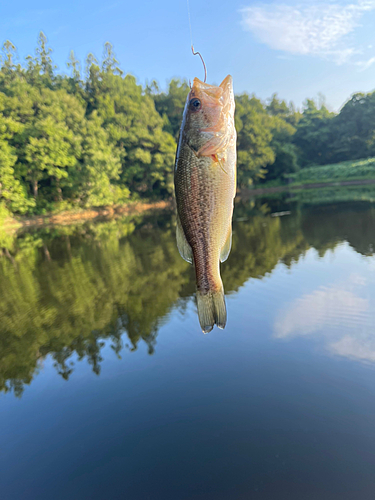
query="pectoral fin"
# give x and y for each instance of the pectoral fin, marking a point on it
(220, 162)
(225, 250)
(183, 246)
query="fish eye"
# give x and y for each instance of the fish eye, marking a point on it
(195, 104)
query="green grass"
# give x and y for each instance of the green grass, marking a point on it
(345, 171)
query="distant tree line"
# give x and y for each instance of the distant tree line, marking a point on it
(96, 137)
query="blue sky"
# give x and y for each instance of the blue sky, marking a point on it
(297, 49)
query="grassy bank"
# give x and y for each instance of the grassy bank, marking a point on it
(343, 173)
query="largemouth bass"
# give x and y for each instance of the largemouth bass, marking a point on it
(205, 186)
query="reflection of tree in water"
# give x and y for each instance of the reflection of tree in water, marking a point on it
(96, 285)
(325, 227)
(258, 245)
(65, 292)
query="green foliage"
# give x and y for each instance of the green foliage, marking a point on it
(4, 213)
(254, 135)
(100, 138)
(286, 154)
(12, 193)
(171, 105)
(281, 109)
(135, 129)
(353, 129)
(313, 134)
(361, 169)
(101, 164)
(321, 137)
(286, 161)
(65, 141)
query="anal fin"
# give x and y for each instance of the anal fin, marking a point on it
(183, 246)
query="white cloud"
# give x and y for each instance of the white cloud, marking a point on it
(320, 29)
(363, 65)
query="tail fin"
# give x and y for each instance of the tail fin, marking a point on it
(211, 310)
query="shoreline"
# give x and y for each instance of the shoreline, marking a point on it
(68, 217)
(110, 212)
(311, 185)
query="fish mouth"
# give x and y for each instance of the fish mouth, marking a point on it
(211, 94)
(221, 101)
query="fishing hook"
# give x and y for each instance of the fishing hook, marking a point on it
(204, 66)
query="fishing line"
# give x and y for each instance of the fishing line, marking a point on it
(195, 53)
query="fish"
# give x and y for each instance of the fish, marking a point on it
(205, 188)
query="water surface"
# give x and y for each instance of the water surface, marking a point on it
(110, 390)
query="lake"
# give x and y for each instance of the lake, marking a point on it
(109, 389)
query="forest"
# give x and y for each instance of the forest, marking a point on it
(93, 136)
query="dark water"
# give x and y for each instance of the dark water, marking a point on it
(111, 391)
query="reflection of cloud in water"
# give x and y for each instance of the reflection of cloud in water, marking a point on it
(326, 307)
(337, 313)
(360, 346)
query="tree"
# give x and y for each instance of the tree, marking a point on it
(254, 136)
(109, 61)
(43, 58)
(275, 107)
(280, 108)
(135, 129)
(313, 135)
(9, 70)
(49, 141)
(101, 165)
(286, 154)
(171, 105)
(12, 192)
(353, 129)
(72, 84)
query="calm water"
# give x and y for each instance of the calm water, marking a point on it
(111, 391)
